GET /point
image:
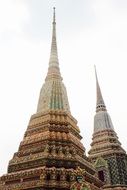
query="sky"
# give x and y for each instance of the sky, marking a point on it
(89, 32)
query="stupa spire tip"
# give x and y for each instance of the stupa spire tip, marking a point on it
(54, 14)
(100, 106)
(95, 73)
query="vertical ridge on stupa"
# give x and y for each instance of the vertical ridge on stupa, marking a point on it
(106, 153)
(51, 155)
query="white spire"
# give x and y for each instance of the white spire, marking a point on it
(100, 105)
(102, 120)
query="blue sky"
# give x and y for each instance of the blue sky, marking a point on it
(89, 32)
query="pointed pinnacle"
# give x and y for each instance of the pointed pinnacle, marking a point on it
(100, 105)
(53, 70)
(53, 54)
(54, 15)
(95, 73)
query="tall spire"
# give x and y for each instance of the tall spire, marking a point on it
(53, 70)
(102, 119)
(53, 95)
(53, 61)
(100, 105)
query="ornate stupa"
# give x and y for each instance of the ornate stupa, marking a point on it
(51, 155)
(106, 153)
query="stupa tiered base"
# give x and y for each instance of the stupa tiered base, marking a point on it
(49, 155)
